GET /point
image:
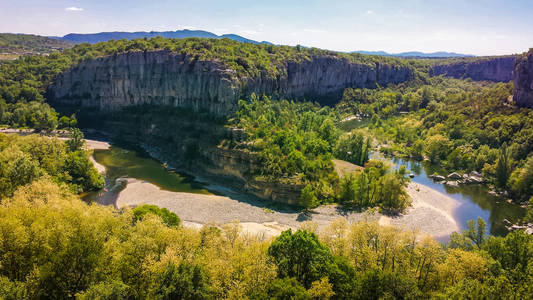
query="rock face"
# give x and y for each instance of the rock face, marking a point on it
(153, 78)
(498, 69)
(163, 78)
(523, 80)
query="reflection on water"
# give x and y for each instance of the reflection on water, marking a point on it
(133, 164)
(474, 200)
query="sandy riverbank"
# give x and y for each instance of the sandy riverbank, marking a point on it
(431, 213)
(96, 145)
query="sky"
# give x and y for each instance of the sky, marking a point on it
(479, 27)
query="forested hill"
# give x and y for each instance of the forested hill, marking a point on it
(28, 43)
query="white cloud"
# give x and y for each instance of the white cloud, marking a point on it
(369, 12)
(73, 8)
(315, 30)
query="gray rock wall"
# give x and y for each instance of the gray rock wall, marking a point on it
(497, 69)
(523, 80)
(164, 78)
(153, 78)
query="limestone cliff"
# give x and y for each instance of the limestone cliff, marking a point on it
(153, 78)
(523, 80)
(498, 69)
(163, 78)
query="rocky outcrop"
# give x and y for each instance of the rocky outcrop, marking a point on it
(154, 78)
(497, 69)
(163, 78)
(523, 80)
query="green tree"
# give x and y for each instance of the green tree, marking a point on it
(308, 197)
(64, 122)
(168, 217)
(283, 289)
(114, 290)
(321, 290)
(503, 167)
(521, 180)
(82, 174)
(392, 195)
(437, 147)
(16, 169)
(76, 140)
(184, 281)
(353, 148)
(300, 255)
(472, 238)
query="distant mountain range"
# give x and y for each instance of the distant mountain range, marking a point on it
(415, 54)
(93, 38)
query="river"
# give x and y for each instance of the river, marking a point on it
(120, 162)
(474, 200)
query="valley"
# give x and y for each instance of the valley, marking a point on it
(282, 170)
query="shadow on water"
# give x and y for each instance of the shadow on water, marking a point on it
(474, 200)
(125, 161)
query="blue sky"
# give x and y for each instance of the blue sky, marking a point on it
(481, 27)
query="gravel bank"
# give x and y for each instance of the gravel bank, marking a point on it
(431, 213)
(96, 145)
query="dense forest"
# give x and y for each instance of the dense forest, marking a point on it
(52, 245)
(25, 80)
(296, 142)
(22, 104)
(459, 125)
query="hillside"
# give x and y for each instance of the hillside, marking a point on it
(13, 45)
